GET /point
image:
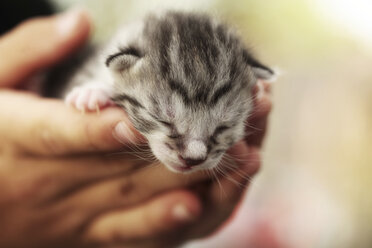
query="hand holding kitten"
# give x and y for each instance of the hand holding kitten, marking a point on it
(55, 190)
(54, 186)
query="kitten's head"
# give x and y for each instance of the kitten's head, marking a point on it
(186, 85)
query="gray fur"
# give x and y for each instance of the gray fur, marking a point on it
(185, 81)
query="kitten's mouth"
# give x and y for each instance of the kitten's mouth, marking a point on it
(182, 169)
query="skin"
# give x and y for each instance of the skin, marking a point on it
(61, 185)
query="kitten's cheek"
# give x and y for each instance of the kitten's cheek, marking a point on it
(215, 162)
(169, 158)
(161, 151)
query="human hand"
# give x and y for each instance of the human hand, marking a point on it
(53, 159)
(56, 187)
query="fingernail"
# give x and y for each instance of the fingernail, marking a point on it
(181, 213)
(67, 21)
(123, 133)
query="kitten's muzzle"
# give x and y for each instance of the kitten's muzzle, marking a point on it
(191, 162)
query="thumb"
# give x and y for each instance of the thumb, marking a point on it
(40, 42)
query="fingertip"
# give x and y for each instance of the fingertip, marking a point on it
(163, 214)
(185, 207)
(110, 130)
(73, 27)
(125, 133)
(67, 21)
(260, 89)
(263, 86)
(173, 210)
(262, 105)
(261, 95)
(267, 86)
(40, 42)
(257, 121)
(102, 128)
(76, 132)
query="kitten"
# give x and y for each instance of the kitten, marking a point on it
(185, 81)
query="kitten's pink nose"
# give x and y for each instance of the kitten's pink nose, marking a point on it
(191, 162)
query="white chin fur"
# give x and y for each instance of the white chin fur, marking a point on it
(170, 160)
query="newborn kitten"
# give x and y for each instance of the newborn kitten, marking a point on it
(185, 81)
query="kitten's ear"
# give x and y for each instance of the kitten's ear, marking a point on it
(123, 59)
(260, 71)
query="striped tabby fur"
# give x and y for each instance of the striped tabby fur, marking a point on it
(185, 81)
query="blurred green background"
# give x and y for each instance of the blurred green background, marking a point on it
(314, 187)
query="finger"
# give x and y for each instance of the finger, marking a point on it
(67, 175)
(40, 42)
(257, 122)
(129, 190)
(156, 217)
(262, 99)
(46, 126)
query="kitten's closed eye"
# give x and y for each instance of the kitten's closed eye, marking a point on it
(220, 130)
(175, 136)
(167, 124)
(171, 126)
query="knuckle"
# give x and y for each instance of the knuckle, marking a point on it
(26, 187)
(124, 193)
(49, 142)
(126, 187)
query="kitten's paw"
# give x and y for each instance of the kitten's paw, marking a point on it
(86, 98)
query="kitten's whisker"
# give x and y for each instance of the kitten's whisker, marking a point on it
(235, 168)
(247, 124)
(231, 179)
(234, 158)
(143, 154)
(219, 183)
(209, 174)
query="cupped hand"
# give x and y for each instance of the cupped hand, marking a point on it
(60, 183)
